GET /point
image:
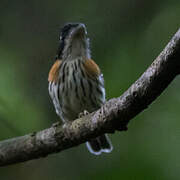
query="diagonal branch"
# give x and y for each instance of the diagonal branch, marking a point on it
(114, 115)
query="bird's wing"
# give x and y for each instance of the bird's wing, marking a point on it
(54, 85)
(92, 68)
(54, 72)
(94, 73)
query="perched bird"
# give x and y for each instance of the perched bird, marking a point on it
(76, 82)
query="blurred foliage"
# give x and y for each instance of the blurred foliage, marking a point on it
(126, 36)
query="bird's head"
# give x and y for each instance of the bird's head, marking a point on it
(73, 42)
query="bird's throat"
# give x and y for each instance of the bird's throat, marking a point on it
(75, 49)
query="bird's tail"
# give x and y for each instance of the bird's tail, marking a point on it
(100, 144)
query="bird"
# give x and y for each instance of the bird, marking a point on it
(76, 84)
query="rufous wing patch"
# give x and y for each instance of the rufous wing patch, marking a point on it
(91, 68)
(54, 72)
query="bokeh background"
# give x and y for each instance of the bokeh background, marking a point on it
(126, 36)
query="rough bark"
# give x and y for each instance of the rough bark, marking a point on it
(114, 115)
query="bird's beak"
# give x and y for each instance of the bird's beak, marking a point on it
(78, 32)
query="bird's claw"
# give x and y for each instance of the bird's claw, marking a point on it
(84, 113)
(56, 124)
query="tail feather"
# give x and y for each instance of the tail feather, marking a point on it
(99, 145)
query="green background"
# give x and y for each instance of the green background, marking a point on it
(126, 36)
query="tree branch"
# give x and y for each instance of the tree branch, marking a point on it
(113, 115)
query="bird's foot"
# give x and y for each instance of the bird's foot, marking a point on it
(56, 124)
(84, 113)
